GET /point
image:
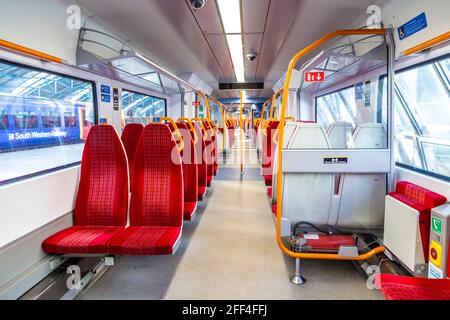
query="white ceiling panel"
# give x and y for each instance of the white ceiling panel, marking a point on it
(252, 43)
(254, 13)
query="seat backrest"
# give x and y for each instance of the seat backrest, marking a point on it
(130, 138)
(307, 197)
(200, 147)
(340, 134)
(157, 198)
(102, 198)
(189, 163)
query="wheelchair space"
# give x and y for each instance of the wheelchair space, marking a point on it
(229, 251)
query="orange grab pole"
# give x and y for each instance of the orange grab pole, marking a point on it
(180, 147)
(28, 51)
(308, 49)
(191, 128)
(428, 44)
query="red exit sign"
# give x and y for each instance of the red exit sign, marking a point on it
(316, 76)
(196, 103)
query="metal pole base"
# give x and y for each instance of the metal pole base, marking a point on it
(297, 278)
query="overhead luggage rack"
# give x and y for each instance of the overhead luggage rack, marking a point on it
(107, 55)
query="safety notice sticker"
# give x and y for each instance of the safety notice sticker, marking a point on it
(412, 26)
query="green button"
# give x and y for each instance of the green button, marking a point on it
(436, 225)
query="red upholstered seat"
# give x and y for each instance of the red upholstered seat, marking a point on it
(130, 138)
(201, 193)
(190, 179)
(268, 180)
(422, 200)
(200, 146)
(274, 209)
(268, 151)
(102, 199)
(145, 240)
(409, 288)
(156, 209)
(269, 192)
(210, 152)
(80, 239)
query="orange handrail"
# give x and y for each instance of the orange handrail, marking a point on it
(191, 127)
(427, 44)
(294, 60)
(274, 97)
(180, 146)
(29, 51)
(205, 132)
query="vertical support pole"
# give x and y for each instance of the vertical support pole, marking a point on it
(297, 277)
(390, 105)
(240, 134)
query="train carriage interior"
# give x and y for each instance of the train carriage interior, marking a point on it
(225, 150)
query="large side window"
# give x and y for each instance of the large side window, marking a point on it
(44, 120)
(422, 117)
(139, 108)
(338, 106)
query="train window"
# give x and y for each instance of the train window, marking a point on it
(34, 138)
(139, 108)
(338, 106)
(4, 120)
(423, 139)
(70, 119)
(51, 119)
(25, 120)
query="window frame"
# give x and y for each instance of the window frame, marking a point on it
(144, 94)
(94, 107)
(444, 81)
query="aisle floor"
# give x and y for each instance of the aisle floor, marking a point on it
(229, 252)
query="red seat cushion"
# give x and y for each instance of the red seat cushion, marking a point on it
(80, 239)
(201, 193)
(130, 138)
(409, 288)
(423, 201)
(268, 180)
(189, 210)
(209, 180)
(269, 192)
(145, 240)
(274, 208)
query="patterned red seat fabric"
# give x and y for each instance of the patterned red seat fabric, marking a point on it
(268, 152)
(200, 146)
(156, 209)
(409, 288)
(102, 200)
(130, 138)
(189, 171)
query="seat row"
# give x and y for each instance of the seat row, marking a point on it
(149, 164)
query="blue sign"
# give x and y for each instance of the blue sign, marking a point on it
(156, 119)
(105, 89)
(103, 121)
(412, 26)
(106, 98)
(359, 91)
